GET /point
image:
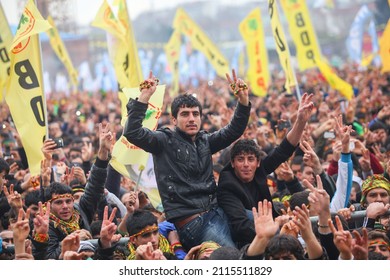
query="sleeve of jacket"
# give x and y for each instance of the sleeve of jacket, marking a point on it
(294, 186)
(277, 156)
(343, 184)
(94, 190)
(230, 133)
(138, 135)
(242, 227)
(328, 184)
(53, 250)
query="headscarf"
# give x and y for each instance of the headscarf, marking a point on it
(373, 182)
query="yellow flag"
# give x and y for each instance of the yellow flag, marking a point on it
(201, 41)
(117, 45)
(124, 152)
(251, 29)
(281, 45)
(172, 51)
(133, 64)
(302, 32)
(24, 91)
(105, 19)
(5, 44)
(335, 81)
(366, 60)
(60, 50)
(384, 48)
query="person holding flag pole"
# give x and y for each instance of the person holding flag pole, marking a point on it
(183, 161)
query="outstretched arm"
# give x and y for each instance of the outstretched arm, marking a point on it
(304, 112)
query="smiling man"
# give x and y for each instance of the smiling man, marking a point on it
(66, 216)
(183, 161)
(243, 182)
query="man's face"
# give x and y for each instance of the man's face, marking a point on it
(188, 120)
(244, 166)
(380, 246)
(77, 196)
(7, 236)
(378, 195)
(296, 169)
(149, 236)
(62, 208)
(55, 130)
(308, 174)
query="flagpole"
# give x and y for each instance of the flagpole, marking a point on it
(141, 169)
(43, 87)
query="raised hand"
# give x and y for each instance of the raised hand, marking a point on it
(41, 220)
(239, 88)
(342, 239)
(147, 88)
(13, 197)
(108, 228)
(305, 108)
(360, 245)
(310, 158)
(105, 138)
(20, 230)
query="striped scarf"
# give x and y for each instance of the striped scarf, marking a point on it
(66, 227)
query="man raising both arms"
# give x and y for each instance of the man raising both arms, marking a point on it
(183, 163)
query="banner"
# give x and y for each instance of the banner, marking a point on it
(201, 42)
(335, 81)
(117, 46)
(24, 91)
(302, 32)
(133, 64)
(130, 160)
(354, 41)
(281, 45)
(251, 29)
(384, 48)
(172, 51)
(5, 44)
(60, 50)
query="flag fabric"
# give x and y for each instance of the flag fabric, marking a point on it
(281, 45)
(172, 51)
(302, 32)
(334, 80)
(5, 44)
(201, 41)
(384, 48)
(24, 90)
(117, 45)
(134, 68)
(60, 50)
(251, 29)
(374, 42)
(354, 40)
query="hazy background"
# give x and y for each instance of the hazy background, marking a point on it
(152, 20)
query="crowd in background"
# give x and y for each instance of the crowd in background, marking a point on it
(75, 119)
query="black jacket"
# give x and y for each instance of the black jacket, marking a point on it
(235, 198)
(94, 192)
(183, 168)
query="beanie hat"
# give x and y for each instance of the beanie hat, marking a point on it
(373, 182)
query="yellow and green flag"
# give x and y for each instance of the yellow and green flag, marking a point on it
(60, 50)
(281, 45)
(24, 94)
(201, 41)
(5, 44)
(334, 80)
(251, 29)
(384, 48)
(172, 52)
(302, 32)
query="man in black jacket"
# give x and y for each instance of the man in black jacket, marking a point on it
(183, 162)
(243, 182)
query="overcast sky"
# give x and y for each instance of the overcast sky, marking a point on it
(87, 9)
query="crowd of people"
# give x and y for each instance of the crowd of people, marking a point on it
(240, 176)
